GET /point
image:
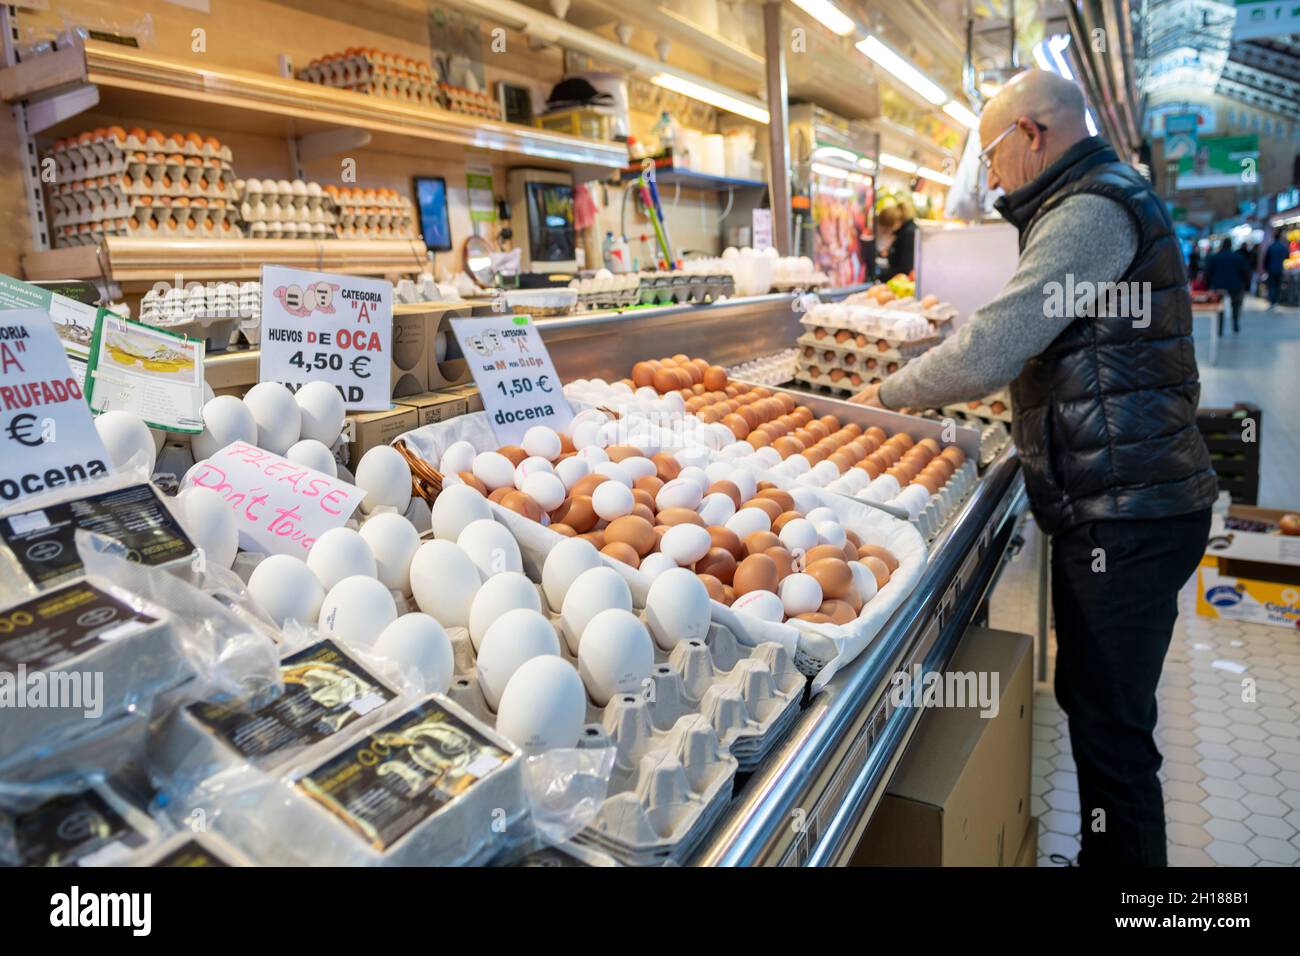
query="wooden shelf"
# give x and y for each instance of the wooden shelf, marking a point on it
(135, 262)
(135, 84)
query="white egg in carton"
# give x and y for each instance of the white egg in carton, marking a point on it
(227, 300)
(897, 325)
(286, 209)
(605, 290)
(769, 370)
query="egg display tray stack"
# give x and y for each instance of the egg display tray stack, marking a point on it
(458, 99)
(994, 436)
(615, 292)
(376, 74)
(277, 215)
(681, 288)
(983, 410)
(384, 217)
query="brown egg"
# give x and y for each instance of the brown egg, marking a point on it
(621, 551)
(930, 483)
(708, 415)
(739, 427)
(523, 504)
(643, 374)
(660, 531)
(878, 570)
(787, 401)
(815, 617)
(842, 461)
(618, 452)
(713, 585)
(694, 372)
(566, 446)
(766, 505)
(720, 563)
(469, 478)
(715, 378)
(783, 519)
(633, 530)
(579, 515)
(758, 439)
(559, 527)
(833, 575)
(676, 516)
(818, 552)
(941, 466)
(500, 493)
(760, 541)
(750, 416)
(931, 445)
(788, 445)
(597, 539)
(514, 453)
(666, 467)
(727, 488)
(817, 430)
(881, 554)
(783, 498)
(850, 550)
(642, 497)
(876, 433)
(758, 572)
(587, 484)
(644, 511)
(728, 595)
(840, 612)
(664, 380)
(872, 468)
(853, 429)
(805, 438)
(783, 559)
(728, 540)
(815, 456)
(902, 438)
(954, 455)
(851, 537)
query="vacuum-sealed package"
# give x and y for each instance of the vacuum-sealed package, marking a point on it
(185, 849)
(430, 786)
(95, 826)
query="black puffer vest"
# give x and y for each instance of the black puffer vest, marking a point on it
(1105, 417)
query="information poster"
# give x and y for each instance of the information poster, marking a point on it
(280, 507)
(332, 328)
(514, 374)
(482, 199)
(47, 436)
(74, 321)
(152, 373)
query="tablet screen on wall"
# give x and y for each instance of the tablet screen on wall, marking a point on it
(431, 201)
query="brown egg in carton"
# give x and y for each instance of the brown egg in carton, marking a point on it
(112, 144)
(994, 408)
(171, 227)
(143, 209)
(458, 99)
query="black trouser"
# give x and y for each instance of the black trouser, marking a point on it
(1236, 299)
(1113, 628)
(1274, 287)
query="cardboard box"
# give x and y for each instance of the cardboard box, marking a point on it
(368, 429)
(433, 407)
(473, 399)
(960, 795)
(1251, 576)
(410, 354)
(1028, 855)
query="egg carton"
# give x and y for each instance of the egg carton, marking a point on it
(374, 73)
(269, 200)
(865, 343)
(189, 848)
(93, 233)
(817, 381)
(458, 99)
(224, 300)
(142, 213)
(111, 187)
(858, 310)
(113, 147)
(983, 410)
(826, 359)
(680, 288)
(767, 370)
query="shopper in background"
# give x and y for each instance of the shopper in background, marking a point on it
(1105, 426)
(896, 223)
(1274, 256)
(1194, 264)
(1227, 272)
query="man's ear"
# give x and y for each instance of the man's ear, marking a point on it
(1030, 129)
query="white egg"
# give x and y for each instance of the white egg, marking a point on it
(798, 534)
(419, 643)
(514, 638)
(341, 553)
(458, 457)
(818, 515)
(716, 509)
(656, 563)
(210, 523)
(419, 514)
(491, 547)
(600, 589)
(800, 594)
(593, 454)
(543, 706)
(763, 605)
(638, 467)
(585, 434)
(456, 507)
(685, 543)
(616, 655)
(357, 609)
(748, 520)
(225, 419)
(494, 470)
(542, 442)
(614, 472)
(612, 500)
(287, 590)
(529, 467)
(313, 454)
(864, 582)
(568, 559)
(571, 470)
(831, 532)
(797, 464)
(394, 541)
(507, 591)
(547, 490)
(769, 456)
(385, 477)
(321, 412)
(126, 437)
(444, 582)
(695, 474)
(677, 608)
(745, 482)
(679, 493)
(278, 416)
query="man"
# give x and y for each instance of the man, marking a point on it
(1227, 272)
(1105, 425)
(1274, 256)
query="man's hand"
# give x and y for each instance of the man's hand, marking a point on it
(869, 396)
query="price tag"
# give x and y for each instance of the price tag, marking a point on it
(338, 329)
(47, 437)
(514, 374)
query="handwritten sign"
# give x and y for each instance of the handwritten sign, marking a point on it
(335, 328)
(47, 437)
(514, 374)
(281, 507)
(152, 373)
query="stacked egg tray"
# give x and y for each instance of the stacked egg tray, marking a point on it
(681, 288)
(458, 99)
(607, 292)
(374, 73)
(283, 209)
(994, 408)
(711, 709)
(372, 213)
(768, 370)
(994, 436)
(212, 311)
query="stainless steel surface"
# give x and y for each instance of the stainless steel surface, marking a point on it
(810, 801)
(778, 130)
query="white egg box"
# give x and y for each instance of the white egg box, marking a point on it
(886, 324)
(217, 299)
(56, 815)
(289, 230)
(275, 823)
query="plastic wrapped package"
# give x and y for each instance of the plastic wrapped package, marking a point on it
(90, 825)
(190, 849)
(431, 786)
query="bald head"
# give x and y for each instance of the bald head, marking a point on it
(1050, 115)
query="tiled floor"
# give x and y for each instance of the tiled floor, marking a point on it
(1232, 765)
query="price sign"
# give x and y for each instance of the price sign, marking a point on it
(338, 329)
(47, 437)
(514, 374)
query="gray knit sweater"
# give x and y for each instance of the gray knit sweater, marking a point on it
(1088, 236)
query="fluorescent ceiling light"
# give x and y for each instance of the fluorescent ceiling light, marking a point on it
(934, 176)
(835, 152)
(1040, 57)
(961, 114)
(1057, 45)
(867, 163)
(834, 172)
(1092, 126)
(711, 95)
(828, 15)
(902, 70)
(895, 162)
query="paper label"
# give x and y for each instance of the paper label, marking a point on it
(59, 626)
(332, 328)
(280, 507)
(47, 435)
(69, 829)
(73, 321)
(514, 375)
(153, 374)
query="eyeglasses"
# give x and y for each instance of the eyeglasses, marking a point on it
(986, 154)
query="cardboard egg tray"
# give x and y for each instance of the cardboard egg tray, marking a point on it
(277, 215)
(92, 233)
(114, 187)
(380, 74)
(109, 155)
(396, 217)
(458, 99)
(821, 382)
(983, 411)
(865, 343)
(682, 287)
(139, 213)
(942, 505)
